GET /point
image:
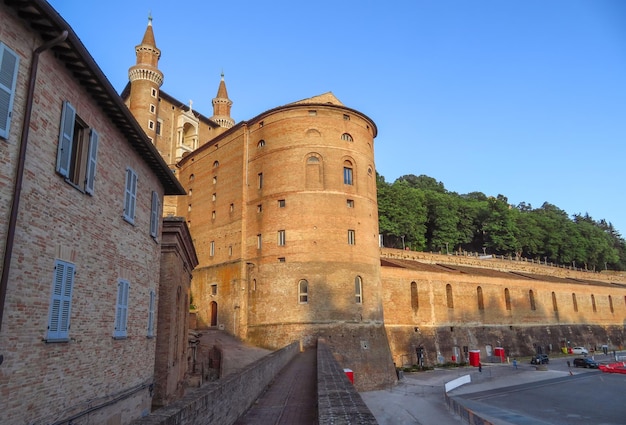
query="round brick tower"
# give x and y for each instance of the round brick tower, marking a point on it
(284, 218)
(145, 81)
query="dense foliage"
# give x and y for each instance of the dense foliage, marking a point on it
(417, 212)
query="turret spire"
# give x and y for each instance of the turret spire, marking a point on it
(221, 106)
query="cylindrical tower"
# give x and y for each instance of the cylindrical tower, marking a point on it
(145, 81)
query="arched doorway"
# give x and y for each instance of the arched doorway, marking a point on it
(213, 313)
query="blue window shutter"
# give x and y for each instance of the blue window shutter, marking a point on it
(61, 301)
(66, 137)
(154, 215)
(9, 63)
(121, 309)
(151, 313)
(130, 196)
(91, 162)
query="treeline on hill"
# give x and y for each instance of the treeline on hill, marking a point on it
(417, 212)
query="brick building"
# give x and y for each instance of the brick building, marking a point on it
(80, 200)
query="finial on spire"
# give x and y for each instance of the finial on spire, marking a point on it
(150, 18)
(222, 74)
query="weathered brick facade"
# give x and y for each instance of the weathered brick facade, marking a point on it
(72, 249)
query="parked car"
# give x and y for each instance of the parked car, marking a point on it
(540, 359)
(580, 350)
(585, 362)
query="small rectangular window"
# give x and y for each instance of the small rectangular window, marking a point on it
(230, 250)
(158, 127)
(214, 197)
(281, 259)
(61, 301)
(346, 117)
(213, 215)
(351, 237)
(214, 289)
(260, 180)
(212, 249)
(130, 196)
(259, 241)
(232, 207)
(152, 109)
(9, 64)
(350, 203)
(151, 306)
(121, 309)
(281, 203)
(312, 113)
(259, 208)
(153, 92)
(261, 124)
(281, 238)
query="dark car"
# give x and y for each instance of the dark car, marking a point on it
(585, 362)
(540, 359)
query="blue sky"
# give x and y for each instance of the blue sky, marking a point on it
(521, 98)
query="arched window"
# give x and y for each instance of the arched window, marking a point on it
(346, 137)
(593, 303)
(507, 298)
(611, 304)
(414, 299)
(358, 290)
(303, 292)
(479, 296)
(260, 144)
(531, 298)
(574, 302)
(347, 172)
(313, 160)
(449, 299)
(192, 177)
(216, 164)
(554, 306)
(314, 171)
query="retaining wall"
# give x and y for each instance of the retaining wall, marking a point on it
(224, 401)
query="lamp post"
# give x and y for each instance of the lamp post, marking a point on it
(403, 247)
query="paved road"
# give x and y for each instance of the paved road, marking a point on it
(506, 395)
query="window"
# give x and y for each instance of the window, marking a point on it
(351, 237)
(358, 290)
(214, 289)
(230, 250)
(346, 137)
(151, 314)
(593, 303)
(212, 248)
(259, 241)
(611, 304)
(260, 179)
(281, 203)
(312, 113)
(213, 215)
(414, 299)
(151, 124)
(347, 173)
(574, 302)
(9, 63)
(281, 259)
(281, 238)
(214, 197)
(303, 292)
(158, 127)
(555, 307)
(507, 298)
(130, 198)
(479, 296)
(155, 215)
(449, 299)
(153, 93)
(259, 208)
(350, 203)
(260, 144)
(61, 301)
(232, 207)
(216, 164)
(531, 298)
(121, 309)
(261, 124)
(152, 109)
(214, 179)
(77, 151)
(346, 117)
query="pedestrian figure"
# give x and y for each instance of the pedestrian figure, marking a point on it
(569, 364)
(480, 367)
(515, 363)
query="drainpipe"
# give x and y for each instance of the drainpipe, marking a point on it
(19, 173)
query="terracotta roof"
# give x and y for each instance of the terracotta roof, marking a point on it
(46, 21)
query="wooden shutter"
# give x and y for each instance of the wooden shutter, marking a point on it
(91, 162)
(130, 195)
(121, 309)
(151, 314)
(66, 137)
(9, 63)
(154, 215)
(61, 302)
